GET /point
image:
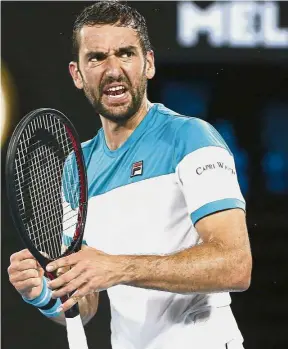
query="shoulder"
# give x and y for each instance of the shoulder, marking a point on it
(198, 136)
(195, 133)
(188, 129)
(188, 134)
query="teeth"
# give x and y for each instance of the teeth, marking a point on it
(116, 88)
(117, 96)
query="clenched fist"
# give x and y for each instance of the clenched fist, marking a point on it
(25, 274)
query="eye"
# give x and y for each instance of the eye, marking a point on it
(127, 54)
(97, 57)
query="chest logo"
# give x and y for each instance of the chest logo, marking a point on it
(137, 169)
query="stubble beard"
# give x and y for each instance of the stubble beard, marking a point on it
(120, 114)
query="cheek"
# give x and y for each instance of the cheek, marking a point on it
(137, 79)
(92, 85)
(91, 77)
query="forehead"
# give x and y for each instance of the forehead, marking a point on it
(106, 37)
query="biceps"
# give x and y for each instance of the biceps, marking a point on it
(226, 228)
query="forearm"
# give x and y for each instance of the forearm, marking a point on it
(88, 306)
(204, 268)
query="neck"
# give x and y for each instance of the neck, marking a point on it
(117, 134)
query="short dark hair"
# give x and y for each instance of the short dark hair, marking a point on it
(111, 12)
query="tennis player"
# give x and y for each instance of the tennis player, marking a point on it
(166, 231)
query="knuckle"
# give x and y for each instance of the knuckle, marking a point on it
(66, 260)
(85, 278)
(18, 255)
(80, 294)
(64, 278)
(86, 264)
(13, 257)
(32, 273)
(26, 274)
(12, 275)
(11, 278)
(60, 271)
(73, 284)
(70, 288)
(19, 287)
(32, 263)
(15, 265)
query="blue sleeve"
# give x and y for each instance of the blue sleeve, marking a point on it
(193, 135)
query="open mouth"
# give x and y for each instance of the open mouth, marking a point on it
(115, 91)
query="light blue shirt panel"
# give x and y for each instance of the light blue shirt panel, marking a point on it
(108, 173)
(165, 140)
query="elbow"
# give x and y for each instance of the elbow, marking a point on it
(241, 279)
(242, 285)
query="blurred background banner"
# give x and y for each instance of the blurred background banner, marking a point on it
(223, 31)
(224, 62)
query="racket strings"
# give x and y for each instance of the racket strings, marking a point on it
(47, 184)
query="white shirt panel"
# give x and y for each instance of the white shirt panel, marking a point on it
(146, 217)
(207, 175)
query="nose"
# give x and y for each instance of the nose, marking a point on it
(113, 67)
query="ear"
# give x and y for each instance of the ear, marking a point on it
(150, 65)
(76, 75)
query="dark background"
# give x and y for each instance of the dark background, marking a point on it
(242, 92)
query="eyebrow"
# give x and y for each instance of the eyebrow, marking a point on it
(105, 54)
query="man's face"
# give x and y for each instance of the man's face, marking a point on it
(112, 70)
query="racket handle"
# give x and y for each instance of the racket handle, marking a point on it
(76, 333)
(72, 312)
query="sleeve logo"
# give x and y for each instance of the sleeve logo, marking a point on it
(215, 166)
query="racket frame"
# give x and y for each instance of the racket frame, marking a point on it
(11, 193)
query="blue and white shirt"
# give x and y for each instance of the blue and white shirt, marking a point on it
(145, 198)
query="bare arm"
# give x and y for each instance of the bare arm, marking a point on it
(221, 263)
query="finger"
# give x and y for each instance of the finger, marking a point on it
(27, 284)
(25, 264)
(65, 278)
(62, 271)
(24, 275)
(20, 255)
(63, 262)
(71, 286)
(22, 265)
(76, 297)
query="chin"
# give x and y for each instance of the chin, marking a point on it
(116, 112)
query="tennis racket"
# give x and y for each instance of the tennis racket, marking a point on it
(47, 192)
